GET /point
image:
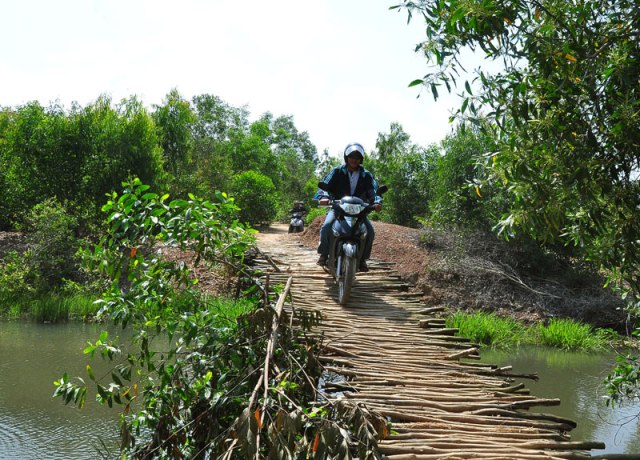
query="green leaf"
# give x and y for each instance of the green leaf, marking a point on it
(457, 15)
(416, 82)
(434, 91)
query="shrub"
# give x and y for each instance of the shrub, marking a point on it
(16, 281)
(51, 234)
(256, 196)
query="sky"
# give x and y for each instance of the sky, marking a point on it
(341, 68)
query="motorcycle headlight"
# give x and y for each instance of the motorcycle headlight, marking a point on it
(351, 208)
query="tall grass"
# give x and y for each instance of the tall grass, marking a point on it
(56, 308)
(571, 335)
(50, 308)
(498, 332)
(228, 310)
(488, 329)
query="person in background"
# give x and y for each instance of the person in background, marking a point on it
(350, 179)
(298, 206)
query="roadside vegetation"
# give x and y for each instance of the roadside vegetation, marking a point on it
(205, 377)
(494, 331)
(543, 154)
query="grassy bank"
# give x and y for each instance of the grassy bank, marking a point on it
(51, 308)
(499, 332)
(55, 308)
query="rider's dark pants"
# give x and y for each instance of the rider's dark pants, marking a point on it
(325, 233)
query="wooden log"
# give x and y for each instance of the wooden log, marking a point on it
(429, 310)
(441, 331)
(509, 413)
(461, 354)
(468, 434)
(451, 450)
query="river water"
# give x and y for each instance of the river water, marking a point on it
(33, 425)
(576, 379)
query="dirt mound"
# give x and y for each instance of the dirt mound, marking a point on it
(478, 271)
(393, 243)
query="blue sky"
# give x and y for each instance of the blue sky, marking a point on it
(340, 67)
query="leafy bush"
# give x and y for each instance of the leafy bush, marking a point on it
(51, 234)
(405, 168)
(16, 281)
(256, 196)
(461, 195)
(50, 258)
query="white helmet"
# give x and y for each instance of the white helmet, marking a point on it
(354, 150)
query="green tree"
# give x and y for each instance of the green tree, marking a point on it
(121, 142)
(404, 167)
(297, 159)
(256, 196)
(41, 156)
(174, 121)
(286, 137)
(76, 155)
(216, 127)
(566, 107)
(461, 194)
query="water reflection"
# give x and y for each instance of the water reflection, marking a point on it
(33, 425)
(576, 379)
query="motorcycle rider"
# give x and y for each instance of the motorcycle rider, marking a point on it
(350, 179)
(298, 212)
(298, 206)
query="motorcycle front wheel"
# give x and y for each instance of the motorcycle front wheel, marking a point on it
(348, 273)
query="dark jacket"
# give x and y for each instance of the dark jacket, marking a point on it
(339, 185)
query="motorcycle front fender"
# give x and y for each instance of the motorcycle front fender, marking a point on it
(345, 249)
(350, 249)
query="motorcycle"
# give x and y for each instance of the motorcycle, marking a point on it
(297, 222)
(348, 235)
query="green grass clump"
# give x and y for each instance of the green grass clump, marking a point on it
(50, 307)
(499, 332)
(488, 329)
(228, 310)
(56, 308)
(571, 335)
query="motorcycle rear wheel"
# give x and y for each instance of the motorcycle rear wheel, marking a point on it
(346, 280)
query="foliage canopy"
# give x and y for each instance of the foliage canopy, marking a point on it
(565, 106)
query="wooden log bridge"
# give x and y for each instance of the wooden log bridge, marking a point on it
(386, 350)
